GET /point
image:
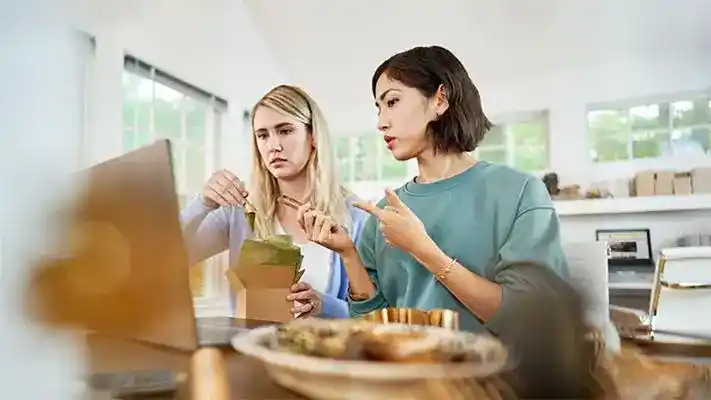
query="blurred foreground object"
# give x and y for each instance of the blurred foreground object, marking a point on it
(124, 270)
(556, 355)
(442, 318)
(40, 113)
(209, 375)
(550, 353)
(634, 375)
(357, 359)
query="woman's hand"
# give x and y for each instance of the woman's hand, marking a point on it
(400, 227)
(323, 230)
(307, 301)
(224, 188)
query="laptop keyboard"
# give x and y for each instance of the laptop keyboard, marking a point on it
(219, 331)
(151, 384)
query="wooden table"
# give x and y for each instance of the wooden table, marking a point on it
(248, 378)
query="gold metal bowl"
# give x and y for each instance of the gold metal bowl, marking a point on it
(442, 318)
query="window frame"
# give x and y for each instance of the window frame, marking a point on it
(215, 298)
(370, 189)
(627, 104)
(509, 145)
(86, 45)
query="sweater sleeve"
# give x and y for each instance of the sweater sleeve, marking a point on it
(534, 239)
(205, 231)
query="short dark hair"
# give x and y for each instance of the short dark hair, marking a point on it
(462, 127)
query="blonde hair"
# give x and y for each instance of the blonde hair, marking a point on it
(327, 195)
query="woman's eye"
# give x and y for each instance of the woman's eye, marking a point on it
(391, 102)
(262, 136)
(285, 131)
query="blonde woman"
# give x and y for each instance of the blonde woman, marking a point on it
(291, 155)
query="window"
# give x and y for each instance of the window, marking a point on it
(520, 142)
(366, 165)
(678, 128)
(86, 50)
(157, 106)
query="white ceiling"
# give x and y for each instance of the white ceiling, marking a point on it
(332, 47)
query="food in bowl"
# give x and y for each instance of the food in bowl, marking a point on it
(367, 341)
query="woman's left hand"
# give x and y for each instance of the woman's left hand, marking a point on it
(307, 301)
(400, 227)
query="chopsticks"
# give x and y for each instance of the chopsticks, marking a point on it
(295, 204)
(290, 202)
(248, 206)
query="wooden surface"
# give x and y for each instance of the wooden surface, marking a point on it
(208, 375)
(247, 378)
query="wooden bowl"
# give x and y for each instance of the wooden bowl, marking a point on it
(332, 379)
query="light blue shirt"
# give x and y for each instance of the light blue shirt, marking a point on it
(208, 232)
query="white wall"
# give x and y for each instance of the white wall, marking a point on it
(213, 45)
(567, 93)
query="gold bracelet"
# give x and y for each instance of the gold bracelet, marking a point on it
(441, 275)
(357, 296)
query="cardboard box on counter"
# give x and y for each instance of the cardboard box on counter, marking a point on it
(701, 180)
(643, 184)
(664, 183)
(682, 184)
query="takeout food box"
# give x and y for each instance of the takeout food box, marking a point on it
(262, 278)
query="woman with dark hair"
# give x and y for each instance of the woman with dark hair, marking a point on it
(449, 237)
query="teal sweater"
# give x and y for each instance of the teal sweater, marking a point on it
(486, 217)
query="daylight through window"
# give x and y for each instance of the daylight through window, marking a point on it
(366, 166)
(678, 128)
(157, 106)
(520, 142)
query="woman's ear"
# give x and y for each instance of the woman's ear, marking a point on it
(312, 138)
(441, 101)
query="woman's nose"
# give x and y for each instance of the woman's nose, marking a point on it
(382, 125)
(274, 144)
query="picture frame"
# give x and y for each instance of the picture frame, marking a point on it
(627, 247)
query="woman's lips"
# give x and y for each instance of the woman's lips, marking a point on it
(277, 161)
(389, 141)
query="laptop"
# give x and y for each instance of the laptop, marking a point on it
(131, 277)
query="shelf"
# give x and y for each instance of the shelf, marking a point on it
(633, 205)
(640, 285)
